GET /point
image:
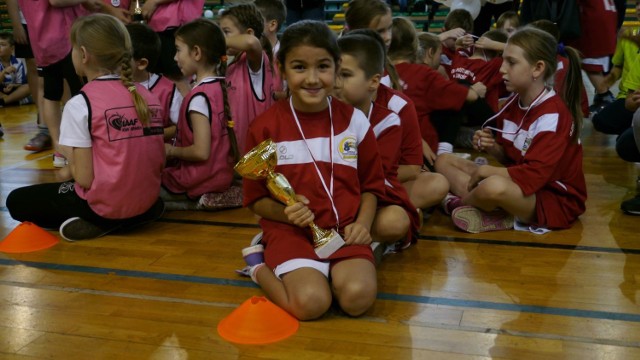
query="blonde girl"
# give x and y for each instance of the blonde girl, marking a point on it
(111, 134)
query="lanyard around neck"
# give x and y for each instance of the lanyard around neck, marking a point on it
(328, 190)
(535, 102)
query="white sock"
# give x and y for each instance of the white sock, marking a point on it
(444, 148)
(254, 270)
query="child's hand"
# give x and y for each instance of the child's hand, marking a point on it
(93, 5)
(483, 140)
(298, 213)
(632, 102)
(10, 69)
(148, 9)
(452, 34)
(480, 89)
(428, 154)
(356, 234)
(464, 41)
(122, 14)
(478, 175)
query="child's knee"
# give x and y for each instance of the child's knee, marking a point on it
(492, 188)
(356, 298)
(444, 160)
(438, 185)
(309, 303)
(392, 224)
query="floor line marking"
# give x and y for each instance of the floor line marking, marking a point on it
(423, 324)
(23, 163)
(418, 299)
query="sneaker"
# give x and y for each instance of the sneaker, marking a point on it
(481, 160)
(631, 206)
(473, 220)
(253, 257)
(154, 213)
(450, 203)
(257, 239)
(75, 229)
(600, 101)
(38, 143)
(59, 160)
(378, 250)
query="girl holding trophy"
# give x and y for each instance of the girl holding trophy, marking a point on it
(328, 154)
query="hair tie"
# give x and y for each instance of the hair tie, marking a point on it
(561, 49)
(224, 58)
(230, 124)
(132, 88)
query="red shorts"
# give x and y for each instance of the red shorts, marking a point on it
(554, 211)
(284, 242)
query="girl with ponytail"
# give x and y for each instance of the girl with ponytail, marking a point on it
(111, 134)
(205, 147)
(536, 137)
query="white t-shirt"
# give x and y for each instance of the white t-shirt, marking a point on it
(256, 80)
(176, 101)
(74, 127)
(199, 103)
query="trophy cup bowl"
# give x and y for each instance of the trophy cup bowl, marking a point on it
(260, 163)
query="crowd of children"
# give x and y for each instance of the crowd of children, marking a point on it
(364, 125)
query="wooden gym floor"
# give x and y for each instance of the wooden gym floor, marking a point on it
(159, 293)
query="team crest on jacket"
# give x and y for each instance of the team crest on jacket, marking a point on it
(348, 148)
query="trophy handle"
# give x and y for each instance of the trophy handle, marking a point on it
(280, 187)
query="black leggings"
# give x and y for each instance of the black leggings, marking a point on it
(615, 119)
(447, 122)
(49, 205)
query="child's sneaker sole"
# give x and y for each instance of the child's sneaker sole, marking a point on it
(39, 143)
(75, 229)
(631, 206)
(473, 220)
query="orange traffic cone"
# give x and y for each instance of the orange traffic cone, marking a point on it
(257, 321)
(27, 237)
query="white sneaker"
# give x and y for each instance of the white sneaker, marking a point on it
(257, 239)
(59, 161)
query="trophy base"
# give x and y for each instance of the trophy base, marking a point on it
(335, 243)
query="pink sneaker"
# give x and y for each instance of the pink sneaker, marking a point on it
(450, 203)
(474, 220)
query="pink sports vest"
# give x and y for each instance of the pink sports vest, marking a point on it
(175, 14)
(49, 29)
(164, 89)
(214, 174)
(245, 106)
(127, 157)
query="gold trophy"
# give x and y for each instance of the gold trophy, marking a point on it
(137, 13)
(260, 163)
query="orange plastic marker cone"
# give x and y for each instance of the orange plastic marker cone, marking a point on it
(257, 321)
(27, 237)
